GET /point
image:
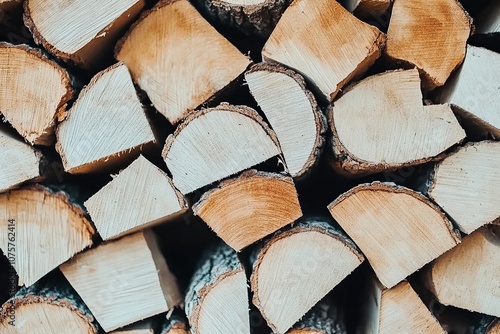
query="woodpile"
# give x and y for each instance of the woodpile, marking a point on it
(249, 166)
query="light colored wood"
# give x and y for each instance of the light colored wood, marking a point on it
(190, 62)
(247, 208)
(468, 275)
(106, 126)
(80, 31)
(124, 281)
(325, 43)
(474, 89)
(367, 9)
(396, 228)
(142, 327)
(323, 318)
(33, 92)
(234, 135)
(217, 297)
(488, 22)
(432, 40)
(293, 113)
(472, 169)
(296, 268)
(381, 124)
(118, 208)
(48, 230)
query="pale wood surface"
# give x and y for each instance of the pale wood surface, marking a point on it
(190, 62)
(489, 20)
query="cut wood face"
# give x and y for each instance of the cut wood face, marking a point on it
(235, 135)
(293, 113)
(468, 275)
(190, 62)
(118, 208)
(106, 126)
(338, 47)
(33, 92)
(49, 230)
(473, 169)
(380, 124)
(246, 209)
(396, 228)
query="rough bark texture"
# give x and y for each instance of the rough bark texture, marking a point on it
(324, 318)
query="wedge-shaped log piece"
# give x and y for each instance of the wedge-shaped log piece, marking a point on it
(215, 143)
(178, 58)
(473, 89)
(296, 268)
(433, 40)
(245, 209)
(118, 208)
(124, 281)
(44, 227)
(106, 126)
(325, 43)
(323, 318)
(80, 31)
(468, 275)
(367, 9)
(380, 124)
(488, 22)
(217, 297)
(472, 169)
(396, 228)
(293, 113)
(33, 92)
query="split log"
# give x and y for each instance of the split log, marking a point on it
(396, 228)
(78, 31)
(337, 46)
(488, 22)
(366, 9)
(27, 72)
(296, 268)
(468, 275)
(432, 40)
(473, 90)
(293, 113)
(175, 324)
(106, 126)
(380, 124)
(472, 169)
(217, 297)
(45, 228)
(488, 325)
(234, 135)
(118, 208)
(122, 287)
(190, 62)
(245, 209)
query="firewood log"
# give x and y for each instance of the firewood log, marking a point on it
(367, 9)
(325, 43)
(178, 58)
(41, 228)
(27, 72)
(124, 281)
(175, 324)
(297, 267)
(380, 124)
(78, 31)
(217, 297)
(292, 112)
(488, 22)
(396, 228)
(106, 126)
(215, 143)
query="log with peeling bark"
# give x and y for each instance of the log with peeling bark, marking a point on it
(234, 135)
(292, 112)
(106, 126)
(43, 228)
(487, 325)
(398, 230)
(367, 9)
(122, 287)
(337, 46)
(287, 283)
(190, 62)
(468, 275)
(488, 22)
(175, 324)
(79, 31)
(381, 124)
(118, 208)
(217, 297)
(28, 72)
